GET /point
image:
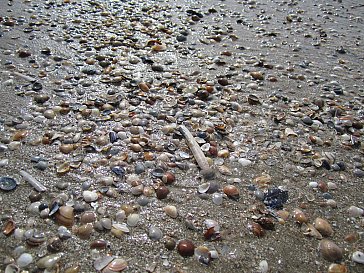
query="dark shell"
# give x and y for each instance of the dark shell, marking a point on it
(186, 248)
(275, 198)
(7, 183)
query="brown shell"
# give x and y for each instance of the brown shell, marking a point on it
(117, 265)
(65, 216)
(330, 251)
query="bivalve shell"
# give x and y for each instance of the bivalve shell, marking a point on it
(12, 268)
(323, 227)
(65, 216)
(330, 251)
(232, 192)
(337, 268)
(171, 211)
(299, 216)
(101, 262)
(186, 248)
(24, 260)
(133, 220)
(90, 196)
(49, 261)
(358, 257)
(117, 265)
(355, 211)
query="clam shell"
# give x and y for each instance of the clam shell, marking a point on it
(7, 183)
(299, 216)
(90, 196)
(101, 262)
(12, 268)
(9, 227)
(330, 251)
(84, 231)
(355, 211)
(49, 261)
(232, 192)
(24, 260)
(117, 265)
(358, 257)
(202, 254)
(323, 227)
(65, 216)
(155, 233)
(133, 220)
(171, 211)
(337, 268)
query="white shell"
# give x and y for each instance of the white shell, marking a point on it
(90, 196)
(24, 260)
(203, 188)
(263, 266)
(123, 227)
(244, 162)
(358, 257)
(11, 268)
(217, 198)
(355, 211)
(133, 219)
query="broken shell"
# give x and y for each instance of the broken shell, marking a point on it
(290, 133)
(12, 268)
(117, 265)
(9, 227)
(49, 261)
(101, 262)
(232, 192)
(73, 269)
(54, 245)
(337, 268)
(256, 229)
(186, 248)
(171, 211)
(313, 232)
(65, 216)
(330, 251)
(168, 178)
(202, 254)
(118, 230)
(323, 227)
(299, 216)
(352, 237)
(358, 257)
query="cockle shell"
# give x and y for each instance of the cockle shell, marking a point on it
(171, 211)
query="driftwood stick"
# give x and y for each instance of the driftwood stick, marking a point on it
(32, 181)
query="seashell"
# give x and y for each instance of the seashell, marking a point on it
(117, 265)
(263, 267)
(133, 219)
(171, 211)
(168, 178)
(299, 216)
(313, 232)
(9, 227)
(323, 227)
(162, 192)
(322, 186)
(144, 86)
(256, 75)
(101, 262)
(159, 47)
(7, 183)
(253, 99)
(20, 135)
(137, 190)
(118, 230)
(90, 196)
(65, 216)
(73, 269)
(12, 268)
(24, 260)
(352, 237)
(170, 243)
(49, 261)
(106, 223)
(337, 268)
(358, 257)
(256, 229)
(34, 237)
(283, 214)
(263, 181)
(98, 244)
(203, 188)
(84, 231)
(63, 167)
(88, 217)
(290, 133)
(217, 198)
(355, 211)
(155, 233)
(54, 244)
(202, 254)
(32, 181)
(186, 248)
(66, 148)
(330, 251)
(232, 192)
